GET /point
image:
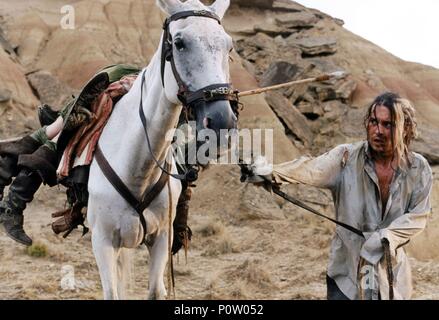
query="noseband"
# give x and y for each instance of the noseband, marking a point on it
(214, 92)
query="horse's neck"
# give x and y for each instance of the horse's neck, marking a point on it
(124, 141)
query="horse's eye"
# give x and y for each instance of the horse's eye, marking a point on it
(179, 44)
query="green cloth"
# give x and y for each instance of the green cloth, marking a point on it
(115, 73)
(41, 136)
(118, 71)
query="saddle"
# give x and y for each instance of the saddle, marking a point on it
(73, 174)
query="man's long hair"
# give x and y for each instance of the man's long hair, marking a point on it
(404, 126)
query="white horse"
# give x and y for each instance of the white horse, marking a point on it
(200, 52)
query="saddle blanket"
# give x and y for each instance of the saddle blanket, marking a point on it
(81, 147)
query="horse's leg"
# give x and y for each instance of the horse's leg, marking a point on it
(157, 265)
(159, 251)
(106, 259)
(123, 272)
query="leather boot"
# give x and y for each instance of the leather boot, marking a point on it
(182, 232)
(9, 153)
(69, 219)
(16, 147)
(21, 192)
(74, 216)
(8, 169)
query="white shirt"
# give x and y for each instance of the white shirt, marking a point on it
(348, 171)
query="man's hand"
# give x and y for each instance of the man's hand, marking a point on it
(259, 173)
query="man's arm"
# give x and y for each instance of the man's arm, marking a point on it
(322, 171)
(402, 229)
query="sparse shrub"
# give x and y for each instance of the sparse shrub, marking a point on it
(251, 272)
(226, 245)
(212, 228)
(37, 250)
(222, 245)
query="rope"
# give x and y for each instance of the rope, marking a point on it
(389, 268)
(361, 264)
(171, 280)
(323, 77)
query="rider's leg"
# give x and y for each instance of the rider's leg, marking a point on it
(34, 169)
(77, 197)
(20, 193)
(10, 152)
(55, 128)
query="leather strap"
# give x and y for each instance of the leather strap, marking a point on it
(389, 268)
(306, 207)
(147, 196)
(145, 129)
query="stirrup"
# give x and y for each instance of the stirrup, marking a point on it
(69, 220)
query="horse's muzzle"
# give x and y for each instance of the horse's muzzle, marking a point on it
(215, 120)
(215, 115)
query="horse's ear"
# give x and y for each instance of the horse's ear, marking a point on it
(169, 6)
(220, 7)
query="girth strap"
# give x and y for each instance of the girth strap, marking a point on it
(147, 196)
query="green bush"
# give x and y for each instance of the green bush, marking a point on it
(37, 250)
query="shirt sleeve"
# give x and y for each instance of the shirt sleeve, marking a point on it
(322, 171)
(402, 229)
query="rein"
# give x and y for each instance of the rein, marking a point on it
(308, 208)
(246, 173)
(145, 129)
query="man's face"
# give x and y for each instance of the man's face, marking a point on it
(379, 131)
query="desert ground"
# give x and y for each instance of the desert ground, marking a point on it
(247, 243)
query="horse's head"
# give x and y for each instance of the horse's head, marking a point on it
(195, 62)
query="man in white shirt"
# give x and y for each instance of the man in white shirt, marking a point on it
(378, 187)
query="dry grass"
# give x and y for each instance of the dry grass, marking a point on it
(222, 245)
(211, 228)
(251, 272)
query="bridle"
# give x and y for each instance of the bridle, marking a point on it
(213, 92)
